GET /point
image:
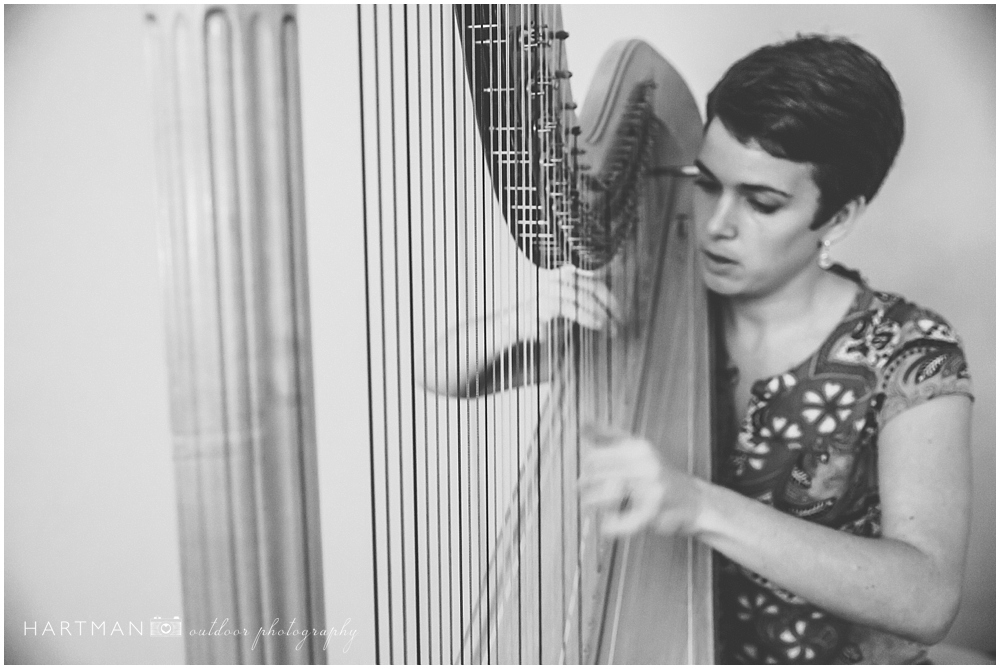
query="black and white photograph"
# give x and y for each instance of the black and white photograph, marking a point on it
(500, 334)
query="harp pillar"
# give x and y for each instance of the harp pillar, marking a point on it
(233, 255)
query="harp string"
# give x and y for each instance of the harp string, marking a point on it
(509, 462)
(489, 301)
(448, 405)
(541, 519)
(543, 522)
(566, 547)
(473, 408)
(472, 340)
(423, 332)
(505, 592)
(568, 601)
(428, 165)
(407, 603)
(414, 466)
(368, 333)
(490, 520)
(387, 533)
(525, 460)
(563, 184)
(437, 333)
(461, 295)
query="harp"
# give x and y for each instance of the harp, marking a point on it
(481, 183)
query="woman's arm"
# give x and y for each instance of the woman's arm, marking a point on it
(907, 582)
(518, 334)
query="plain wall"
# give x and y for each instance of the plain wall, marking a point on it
(90, 514)
(90, 520)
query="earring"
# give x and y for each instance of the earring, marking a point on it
(824, 255)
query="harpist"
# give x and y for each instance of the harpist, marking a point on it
(842, 504)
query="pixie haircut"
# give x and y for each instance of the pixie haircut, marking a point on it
(819, 100)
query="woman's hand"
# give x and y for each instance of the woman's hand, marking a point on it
(567, 293)
(625, 481)
(573, 294)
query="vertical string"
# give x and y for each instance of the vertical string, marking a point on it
(495, 16)
(501, 110)
(423, 325)
(566, 185)
(583, 384)
(472, 338)
(437, 335)
(482, 405)
(368, 331)
(508, 176)
(447, 351)
(489, 341)
(524, 449)
(579, 357)
(458, 355)
(491, 512)
(462, 264)
(525, 119)
(570, 355)
(385, 391)
(556, 397)
(399, 369)
(412, 338)
(533, 26)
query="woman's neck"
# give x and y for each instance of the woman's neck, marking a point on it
(770, 333)
(813, 296)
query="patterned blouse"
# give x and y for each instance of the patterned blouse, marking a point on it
(808, 446)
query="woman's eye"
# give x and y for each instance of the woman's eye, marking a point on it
(706, 185)
(764, 207)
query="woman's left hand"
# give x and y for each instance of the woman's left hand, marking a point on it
(624, 479)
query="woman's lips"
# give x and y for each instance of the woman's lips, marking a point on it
(717, 259)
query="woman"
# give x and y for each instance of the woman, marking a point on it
(842, 506)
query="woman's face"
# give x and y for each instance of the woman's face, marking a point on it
(753, 213)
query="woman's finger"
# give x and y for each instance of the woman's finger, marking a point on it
(594, 295)
(639, 511)
(588, 316)
(608, 495)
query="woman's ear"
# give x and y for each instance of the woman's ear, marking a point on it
(843, 221)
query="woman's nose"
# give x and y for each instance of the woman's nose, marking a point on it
(720, 217)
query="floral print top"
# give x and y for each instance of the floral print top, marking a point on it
(808, 446)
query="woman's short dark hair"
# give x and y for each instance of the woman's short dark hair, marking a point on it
(820, 100)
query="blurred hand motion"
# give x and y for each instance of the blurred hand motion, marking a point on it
(624, 480)
(576, 295)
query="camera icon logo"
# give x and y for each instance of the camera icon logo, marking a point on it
(165, 626)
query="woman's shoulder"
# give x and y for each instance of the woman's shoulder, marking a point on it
(921, 355)
(913, 321)
(910, 353)
(899, 319)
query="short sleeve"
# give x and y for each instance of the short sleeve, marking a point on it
(928, 362)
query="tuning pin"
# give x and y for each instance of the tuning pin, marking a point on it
(563, 74)
(569, 105)
(579, 152)
(575, 130)
(561, 34)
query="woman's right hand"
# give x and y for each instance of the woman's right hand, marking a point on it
(567, 293)
(576, 295)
